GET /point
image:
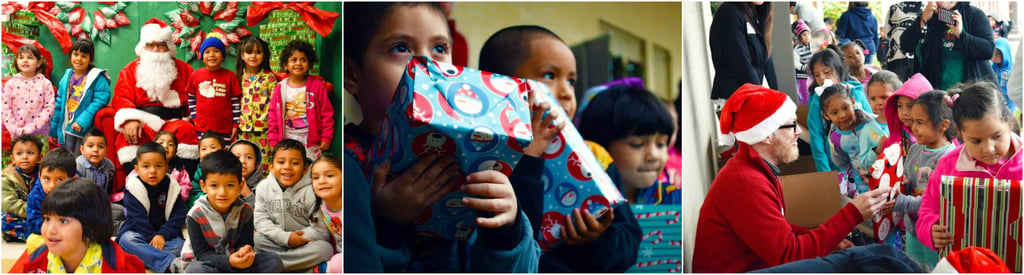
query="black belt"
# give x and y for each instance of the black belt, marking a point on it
(163, 112)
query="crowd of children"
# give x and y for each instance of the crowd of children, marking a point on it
(173, 215)
(857, 110)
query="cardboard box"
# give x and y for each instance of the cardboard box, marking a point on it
(811, 198)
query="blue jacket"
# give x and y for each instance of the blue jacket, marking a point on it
(35, 207)
(1003, 70)
(96, 96)
(137, 207)
(359, 222)
(819, 133)
(858, 23)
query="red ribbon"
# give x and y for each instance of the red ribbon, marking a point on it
(321, 21)
(40, 9)
(14, 41)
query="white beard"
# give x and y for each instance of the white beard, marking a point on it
(155, 73)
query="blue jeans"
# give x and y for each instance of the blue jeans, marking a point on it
(875, 258)
(154, 259)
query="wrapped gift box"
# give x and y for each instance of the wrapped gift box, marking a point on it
(661, 245)
(282, 27)
(22, 23)
(480, 118)
(983, 212)
(886, 171)
(572, 176)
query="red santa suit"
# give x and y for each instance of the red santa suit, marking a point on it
(158, 109)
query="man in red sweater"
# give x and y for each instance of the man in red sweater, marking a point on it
(742, 224)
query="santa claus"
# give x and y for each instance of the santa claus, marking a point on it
(149, 96)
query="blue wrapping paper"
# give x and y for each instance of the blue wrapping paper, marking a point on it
(483, 119)
(480, 118)
(572, 177)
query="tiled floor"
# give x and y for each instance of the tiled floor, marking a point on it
(9, 252)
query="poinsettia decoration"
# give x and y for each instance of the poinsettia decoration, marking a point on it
(228, 21)
(97, 24)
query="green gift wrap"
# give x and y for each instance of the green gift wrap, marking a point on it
(22, 23)
(282, 27)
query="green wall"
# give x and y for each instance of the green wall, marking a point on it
(121, 50)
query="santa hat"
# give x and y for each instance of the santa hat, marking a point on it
(155, 30)
(754, 112)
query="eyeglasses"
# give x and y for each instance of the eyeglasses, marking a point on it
(789, 126)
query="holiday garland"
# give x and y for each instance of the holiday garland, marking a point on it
(228, 21)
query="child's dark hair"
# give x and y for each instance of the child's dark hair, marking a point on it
(834, 90)
(94, 132)
(289, 144)
(887, 78)
(221, 162)
(85, 201)
(214, 135)
(150, 147)
(829, 57)
(166, 133)
(297, 46)
(855, 42)
(250, 45)
(361, 20)
(978, 100)
(622, 111)
(60, 159)
(35, 52)
(331, 160)
(508, 48)
(938, 106)
(85, 46)
(31, 140)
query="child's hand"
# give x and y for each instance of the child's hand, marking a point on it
(844, 245)
(940, 238)
(234, 133)
(242, 258)
(544, 129)
(587, 229)
(157, 242)
(296, 239)
(324, 145)
(76, 127)
(403, 199)
(887, 207)
(245, 189)
(496, 196)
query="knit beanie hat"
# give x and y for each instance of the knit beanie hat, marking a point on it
(755, 112)
(212, 41)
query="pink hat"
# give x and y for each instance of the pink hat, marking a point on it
(754, 112)
(800, 27)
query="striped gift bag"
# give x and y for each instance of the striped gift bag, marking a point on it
(983, 212)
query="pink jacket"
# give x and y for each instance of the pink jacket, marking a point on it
(959, 163)
(28, 105)
(914, 87)
(320, 114)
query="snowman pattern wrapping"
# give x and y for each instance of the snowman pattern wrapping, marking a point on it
(483, 119)
(887, 170)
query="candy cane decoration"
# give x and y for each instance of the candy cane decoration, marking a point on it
(658, 214)
(656, 232)
(675, 243)
(661, 262)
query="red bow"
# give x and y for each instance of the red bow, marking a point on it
(14, 41)
(321, 21)
(41, 10)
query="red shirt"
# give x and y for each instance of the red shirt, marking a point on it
(217, 93)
